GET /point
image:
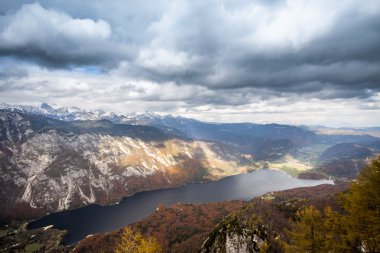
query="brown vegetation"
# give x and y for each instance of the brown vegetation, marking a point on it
(355, 229)
(184, 227)
(134, 242)
(179, 228)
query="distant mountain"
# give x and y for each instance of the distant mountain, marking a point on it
(50, 165)
(346, 151)
(54, 158)
(345, 159)
(233, 133)
(62, 113)
(226, 132)
(373, 131)
(271, 141)
(264, 142)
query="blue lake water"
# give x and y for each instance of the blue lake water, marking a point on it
(95, 218)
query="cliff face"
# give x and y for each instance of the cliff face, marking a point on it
(49, 163)
(234, 235)
(56, 165)
(260, 225)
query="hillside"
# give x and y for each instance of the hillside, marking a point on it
(184, 227)
(345, 159)
(50, 165)
(51, 161)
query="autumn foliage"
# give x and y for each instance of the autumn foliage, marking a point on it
(355, 229)
(135, 242)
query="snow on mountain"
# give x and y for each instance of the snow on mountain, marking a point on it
(75, 113)
(62, 113)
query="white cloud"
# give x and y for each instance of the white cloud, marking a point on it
(121, 95)
(56, 37)
(35, 25)
(286, 61)
(163, 59)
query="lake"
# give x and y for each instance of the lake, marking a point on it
(95, 218)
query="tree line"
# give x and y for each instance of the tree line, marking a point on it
(355, 228)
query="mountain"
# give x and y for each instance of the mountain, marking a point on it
(345, 159)
(373, 131)
(50, 165)
(264, 142)
(54, 158)
(62, 113)
(346, 151)
(246, 136)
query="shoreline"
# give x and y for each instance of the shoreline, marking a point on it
(133, 219)
(175, 187)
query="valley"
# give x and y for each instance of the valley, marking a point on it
(184, 126)
(185, 227)
(59, 160)
(80, 222)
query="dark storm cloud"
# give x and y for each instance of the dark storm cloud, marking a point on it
(51, 58)
(320, 49)
(345, 57)
(342, 61)
(348, 57)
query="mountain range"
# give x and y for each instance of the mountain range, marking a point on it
(54, 158)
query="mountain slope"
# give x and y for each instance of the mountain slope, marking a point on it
(56, 165)
(185, 227)
(50, 162)
(345, 159)
(265, 142)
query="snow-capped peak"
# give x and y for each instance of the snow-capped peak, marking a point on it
(57, 112)
(74, 113)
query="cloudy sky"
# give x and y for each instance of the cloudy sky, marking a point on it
(297, 62)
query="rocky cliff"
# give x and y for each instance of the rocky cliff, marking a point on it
(235, 235)
(51, 165)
